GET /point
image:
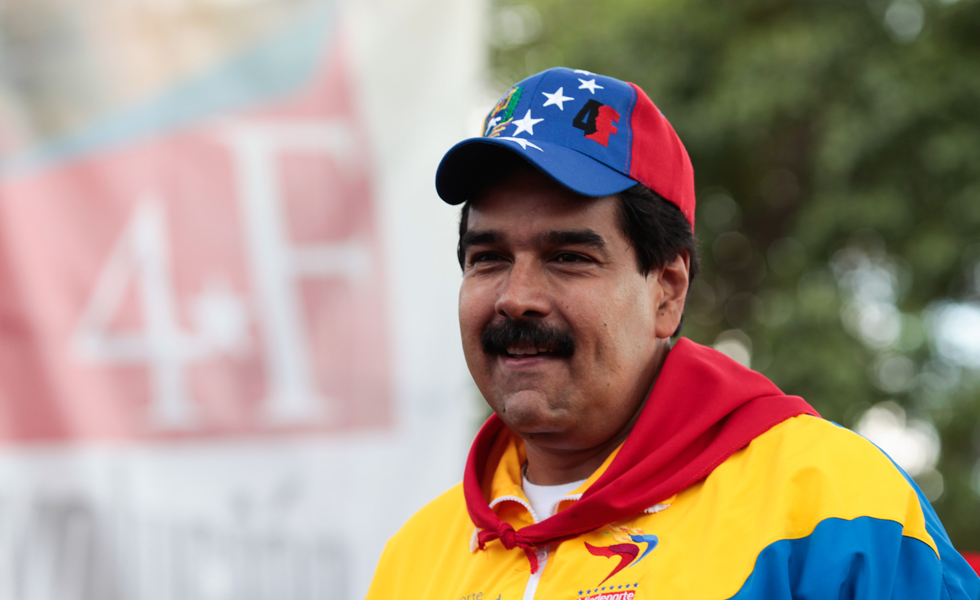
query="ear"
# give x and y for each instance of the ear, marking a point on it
(672, 279)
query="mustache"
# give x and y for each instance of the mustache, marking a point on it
(499, 336)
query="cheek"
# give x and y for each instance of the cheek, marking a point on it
(626, 323)
(465, 316)
(474, 312)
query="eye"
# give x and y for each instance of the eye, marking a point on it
(569, 257)
(484, 257)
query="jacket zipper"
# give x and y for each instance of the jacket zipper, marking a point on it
(532, 582)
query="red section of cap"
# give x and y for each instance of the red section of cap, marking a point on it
(658, 158)
(974, 559)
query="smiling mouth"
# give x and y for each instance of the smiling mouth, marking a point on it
(529, 351)
(527, 338)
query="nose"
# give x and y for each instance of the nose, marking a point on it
(524, 292)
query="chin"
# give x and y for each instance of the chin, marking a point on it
(527, 412)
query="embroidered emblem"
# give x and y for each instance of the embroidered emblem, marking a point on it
(502, 113)
(612, 592)
(596, 120)
(627, 550)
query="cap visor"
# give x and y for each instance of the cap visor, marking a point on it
(472, 164)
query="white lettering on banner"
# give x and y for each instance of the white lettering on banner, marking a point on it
(277, 265)
(142, 257)
(65, 549)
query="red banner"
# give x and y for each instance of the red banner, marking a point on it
(223, 278)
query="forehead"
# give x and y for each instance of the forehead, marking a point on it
(527, 200)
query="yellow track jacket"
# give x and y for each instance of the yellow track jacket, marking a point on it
(807, 510)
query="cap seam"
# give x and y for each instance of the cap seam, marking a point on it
(532, 96)
(629, 133)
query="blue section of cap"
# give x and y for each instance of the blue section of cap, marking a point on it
(471, 163)
(558, 119)
(557, 112)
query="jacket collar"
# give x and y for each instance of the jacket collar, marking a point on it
(505, 483)
(703, 408)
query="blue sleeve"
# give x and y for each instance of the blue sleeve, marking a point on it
(959, 578)
(863, 559)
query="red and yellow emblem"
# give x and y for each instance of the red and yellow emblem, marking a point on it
(627, 550)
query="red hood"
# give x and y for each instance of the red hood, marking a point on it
(703, 408)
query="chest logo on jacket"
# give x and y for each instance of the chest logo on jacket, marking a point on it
(627, 550)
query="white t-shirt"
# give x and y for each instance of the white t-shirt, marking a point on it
(544, 498)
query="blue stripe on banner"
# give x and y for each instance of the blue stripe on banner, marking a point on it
(272, 68)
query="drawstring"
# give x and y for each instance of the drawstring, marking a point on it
(510, 539)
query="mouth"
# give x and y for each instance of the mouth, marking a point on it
(530, 351)
(526, 339)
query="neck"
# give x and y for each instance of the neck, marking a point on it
(547, 467)
(550, 466)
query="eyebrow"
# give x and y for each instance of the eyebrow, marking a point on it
(567, 237)
(479, 238)
(576, 237)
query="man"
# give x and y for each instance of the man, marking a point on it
(618, 466)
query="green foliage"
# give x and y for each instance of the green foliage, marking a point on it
(827, 136)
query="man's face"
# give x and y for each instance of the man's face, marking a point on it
(560, 329)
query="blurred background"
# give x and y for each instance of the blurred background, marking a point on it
(229, 364)
(229, 359)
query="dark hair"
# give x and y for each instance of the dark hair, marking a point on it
(655, 228)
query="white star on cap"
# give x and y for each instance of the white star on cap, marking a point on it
(526, 124)
(590, 85)
(557, 98)
(583, 72)
(522, 142)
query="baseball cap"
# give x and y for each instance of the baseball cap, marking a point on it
(593, 134)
